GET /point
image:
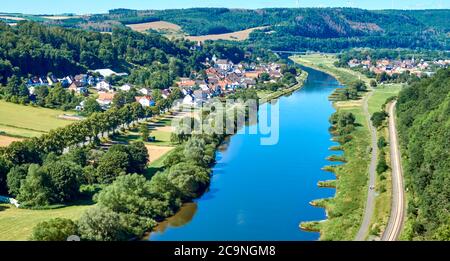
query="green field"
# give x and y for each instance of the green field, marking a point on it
(380, 94)
(28, 121)
(324, 62)
(17, 224)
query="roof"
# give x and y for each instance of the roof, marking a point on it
(106, 96)
(222, 61)
(108, 72)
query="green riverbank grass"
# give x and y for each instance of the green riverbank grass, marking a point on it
(345, 210)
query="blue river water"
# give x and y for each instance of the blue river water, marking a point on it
(262, 192)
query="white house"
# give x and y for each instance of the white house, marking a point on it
(125, 87)
(144, 91)
(103, 86)
(224, 64)
(145, 101)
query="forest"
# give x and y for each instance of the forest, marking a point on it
(315, 29)
(424, 127)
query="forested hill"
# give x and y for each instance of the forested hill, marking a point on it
(36, 49)
(424, 126)
(323, 29)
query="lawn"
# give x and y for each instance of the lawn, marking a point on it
(17, 224)
(380, 94)
(28, 121)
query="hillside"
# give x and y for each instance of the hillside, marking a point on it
(299, 29)
(322, 29)
(424, 126)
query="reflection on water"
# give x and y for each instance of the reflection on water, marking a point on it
(184, 216)
(263, 192)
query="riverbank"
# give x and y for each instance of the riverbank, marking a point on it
(269, 96)
(345, 210)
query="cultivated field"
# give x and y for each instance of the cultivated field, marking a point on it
(235, 36)
(12, 18)
(160, 25)
(28, 121)
(59, 17)
(5, 140)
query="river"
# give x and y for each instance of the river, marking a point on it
(263, 192)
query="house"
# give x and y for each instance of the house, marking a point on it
(66, 81)
(165, 93)
(82, 78)
(144, 91)
(78, 88)
(36, 81)
(145, 101)
(186, 83)
(252, 74)
(224, 64)
(51, 79)
(108, 73)
(200, 95)
(125, 87)
(105, 98)
(103, 86)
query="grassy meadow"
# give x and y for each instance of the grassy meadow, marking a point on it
(28, 121)
(17, 224)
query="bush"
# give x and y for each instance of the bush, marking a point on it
(99, 224)
(58, 229)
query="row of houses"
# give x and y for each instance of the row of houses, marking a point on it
(390, 66)
(78, 83)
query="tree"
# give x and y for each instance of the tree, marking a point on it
(378, 118)
(4, 169)
(190, 180)
(373, 83)
(77, 155)
(100, 224)
(133, 194)
(381, 142)
(15, 177)
(139, 157)
(35, 189)
(358, 85)
(64, 176)
(144, 132)
(264, 77)
(382, 165)
(112, 164)
(58, 229)
(194, 151)
(91, 106)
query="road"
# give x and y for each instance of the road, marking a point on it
(395, 222)
(370, 203)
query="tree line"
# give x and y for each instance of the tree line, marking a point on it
(423, 110)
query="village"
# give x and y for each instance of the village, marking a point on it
(221, 77)
(390, 66)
